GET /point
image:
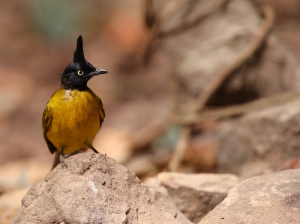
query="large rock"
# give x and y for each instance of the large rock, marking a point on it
(96, 189)
(272, 198)
(261, 141)
(200, 54)
(195, 194)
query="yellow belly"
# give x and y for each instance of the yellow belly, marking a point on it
(75, 120)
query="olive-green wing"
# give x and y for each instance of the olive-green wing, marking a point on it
(47, 118)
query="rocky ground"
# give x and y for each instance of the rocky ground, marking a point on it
(96, 189)
(272, 198)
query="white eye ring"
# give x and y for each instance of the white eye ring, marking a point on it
(80, 72)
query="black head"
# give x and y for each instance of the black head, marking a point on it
(79, 71)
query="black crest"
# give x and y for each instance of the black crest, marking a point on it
(78, 54)
(79, 71)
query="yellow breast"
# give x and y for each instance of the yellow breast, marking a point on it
(75, 119)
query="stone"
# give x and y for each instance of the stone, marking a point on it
(270, 198)
(96, 189)
(195, 194)
(260, 142)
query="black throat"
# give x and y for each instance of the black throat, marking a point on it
(80, 88)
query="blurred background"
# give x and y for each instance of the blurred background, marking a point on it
(160, 58)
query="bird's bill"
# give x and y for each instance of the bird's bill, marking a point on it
(99, 71)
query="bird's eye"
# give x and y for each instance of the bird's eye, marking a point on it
(80, 72)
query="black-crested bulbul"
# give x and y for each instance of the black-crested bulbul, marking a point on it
(74, 114)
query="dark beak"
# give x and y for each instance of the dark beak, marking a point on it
(99, 71)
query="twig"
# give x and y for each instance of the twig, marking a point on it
(247, 53)
(224, 112)
(181, 146)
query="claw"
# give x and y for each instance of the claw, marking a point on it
(62, 161)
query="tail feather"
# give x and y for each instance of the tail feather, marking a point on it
(56, 159)
(92, 147)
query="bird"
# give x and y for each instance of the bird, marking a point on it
(74, 114)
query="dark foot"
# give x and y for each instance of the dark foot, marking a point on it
(62, 161)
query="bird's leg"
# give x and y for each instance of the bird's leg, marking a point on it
(62, 159)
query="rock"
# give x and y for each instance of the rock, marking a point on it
(261, 141)
(195, 194)
(96, 189)
(271, 198)
(10, 203)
